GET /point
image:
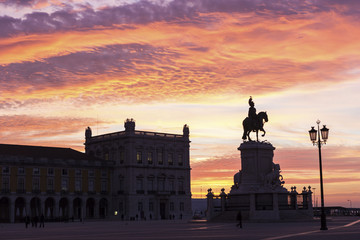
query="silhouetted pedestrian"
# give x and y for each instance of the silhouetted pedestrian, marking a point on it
(36, 220)
(27, 221)
(239, 218)
(42, 221)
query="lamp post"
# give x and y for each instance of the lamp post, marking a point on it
(315, 138)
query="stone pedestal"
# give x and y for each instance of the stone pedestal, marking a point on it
(256, 163)
(257, 184)
(258, 172)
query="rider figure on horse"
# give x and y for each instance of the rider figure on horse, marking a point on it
(252, 114)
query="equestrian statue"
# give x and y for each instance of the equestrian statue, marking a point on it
(254, 122)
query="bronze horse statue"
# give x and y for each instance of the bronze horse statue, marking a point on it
(253, 125)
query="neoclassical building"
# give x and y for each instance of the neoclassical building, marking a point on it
(124, 175)
(60, 183)
(151, 174)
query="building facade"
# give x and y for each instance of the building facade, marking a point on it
(59, 183)
(151, 172)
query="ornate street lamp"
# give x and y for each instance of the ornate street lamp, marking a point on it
(315, 138)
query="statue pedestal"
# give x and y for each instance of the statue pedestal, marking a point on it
(257, 184)
(256, 162)
(258, 171)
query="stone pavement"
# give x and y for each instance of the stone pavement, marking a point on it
(347, 228)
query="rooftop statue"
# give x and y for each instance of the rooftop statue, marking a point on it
(254, 122)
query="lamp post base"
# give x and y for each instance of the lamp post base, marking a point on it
(323, 222)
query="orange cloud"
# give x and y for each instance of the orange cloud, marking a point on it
(30, 130)
(175, 59)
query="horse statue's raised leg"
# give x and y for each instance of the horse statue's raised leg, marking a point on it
(248, 135)
(264, 132)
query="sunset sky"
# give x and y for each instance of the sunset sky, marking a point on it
(66, 65)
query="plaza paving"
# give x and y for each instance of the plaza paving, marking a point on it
(347, 228)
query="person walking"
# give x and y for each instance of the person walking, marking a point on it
(27, 221)
(42, 221)
(36, 219)
(239, 218)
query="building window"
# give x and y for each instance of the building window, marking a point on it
(181, 185)
(139, 184)
(122, 157)
(6, 170)
(91, 185)
(121, 207)
(5, 184)
(182, 206)
(170, 159)
(160, 158)
(172, 206)
(180, 159)
(150, 184)
(151, 206)
(104, 173)
(91, 173)
(21, 184)
(78, 172)
(106, 156)
(140, 206)
(138, 157)
(121, 184)
(21, 171)
(36, 183)
(172, 184)
(36, 171)
(64, 172)
(50, 184)
(50, 171)
(161, 184)
(64, 184)
(78, 185)
(150, 158)
(104, 186)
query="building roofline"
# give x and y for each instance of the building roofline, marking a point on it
(44, 152)
(137, 133)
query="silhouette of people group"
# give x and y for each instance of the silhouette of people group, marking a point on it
(34, 221)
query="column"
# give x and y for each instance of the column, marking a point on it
(27, 207)
(293, 195)
(223, 199)
(210, 204)
(71, 208)
(83, 208)
(96, 208)
(42, 206)
(310, 206)
(12, 209)
(56, 207)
